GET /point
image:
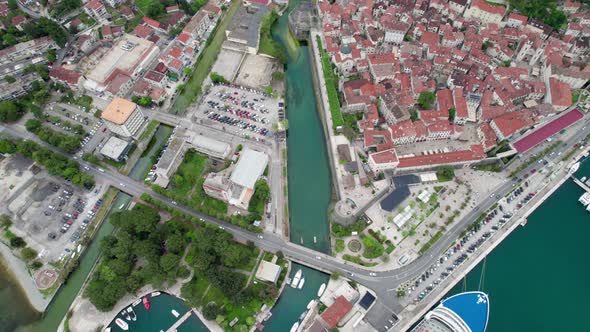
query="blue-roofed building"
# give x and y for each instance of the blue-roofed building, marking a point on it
(464, 312)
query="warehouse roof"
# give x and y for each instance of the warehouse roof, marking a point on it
(249, 168)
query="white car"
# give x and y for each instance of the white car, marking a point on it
(122, 184)
(260, 237)
(372, 274)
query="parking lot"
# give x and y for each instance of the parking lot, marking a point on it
(458, 254)
(49, 213)
(244, 112)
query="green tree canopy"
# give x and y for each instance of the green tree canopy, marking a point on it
(426, 99)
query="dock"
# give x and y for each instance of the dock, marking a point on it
(580, 183)
(179, 322)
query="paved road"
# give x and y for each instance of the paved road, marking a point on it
(379, 282)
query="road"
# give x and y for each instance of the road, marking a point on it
(380, 282)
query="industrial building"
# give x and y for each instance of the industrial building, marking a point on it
(116, 148)
(237, 190)
(243, 32)
(123, 118)
(121, 63)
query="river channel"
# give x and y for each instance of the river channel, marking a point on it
(310, 187)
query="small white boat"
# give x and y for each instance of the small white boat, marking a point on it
(294, 327)
(108, 329)
(121, 323)
(311, 303)
(584, 199)
(588, 208)
(175, 313)
(315, 240)
(303, 315)
(296, 278)
(154, 294)
(138, 301)
(131, 312)
(574, 168)
(125, 314)
(583, 179)
(322, 289)
(301, 283)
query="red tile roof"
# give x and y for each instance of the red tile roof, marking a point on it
(474, 153)
(429, 38)
(66, 75)
(142, 31)
(336, 312)
(548, 130)
(183, 38)
(460, 103)
(489, 136)
(561, 93)
(151, 22)
(94, 5)
(444, 99)
(512, 122)
(486, 7)
(154, 76)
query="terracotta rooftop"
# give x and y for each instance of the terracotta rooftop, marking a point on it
(118, 111)
(336, 312)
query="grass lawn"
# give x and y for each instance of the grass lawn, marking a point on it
(215, 295)
(339, 245)
(267, 44)
(373, 248)
(188, 173)
(204, 63)
(331, 82)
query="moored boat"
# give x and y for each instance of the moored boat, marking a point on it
(146, 303)
(301, 283)
(585, 199)
(574, 168)
(175, 313)
(132, 313)
(125, 314)
(294, 327)
(322, 289)
(303, 315)
(296, 278)
(122, 324)
(311, 303)
(154, 294)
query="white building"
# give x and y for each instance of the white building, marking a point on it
(123, 117)
(239, 188)
(484, 12)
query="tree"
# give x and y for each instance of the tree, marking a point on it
(335, 275)
(9, 79)
(33, 125)
(426, 99)
(268, 90)
(17, 242)
(414, 116)
(12, 5)
(169, 262)
(36, 265)
(7, 146)
(28, 254)
(51, 55)
(452, 113)
(9, 39)
(485, 45)
(210, 311)
(9, 111)
(445, 173)
(217, 78)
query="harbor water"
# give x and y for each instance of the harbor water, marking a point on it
(537, 277)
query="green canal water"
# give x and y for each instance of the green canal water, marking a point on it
(309, 178)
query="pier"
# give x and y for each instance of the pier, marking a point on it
(179, 322)
(580, 183)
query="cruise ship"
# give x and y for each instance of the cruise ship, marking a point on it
(585, 199)
(464, 312)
